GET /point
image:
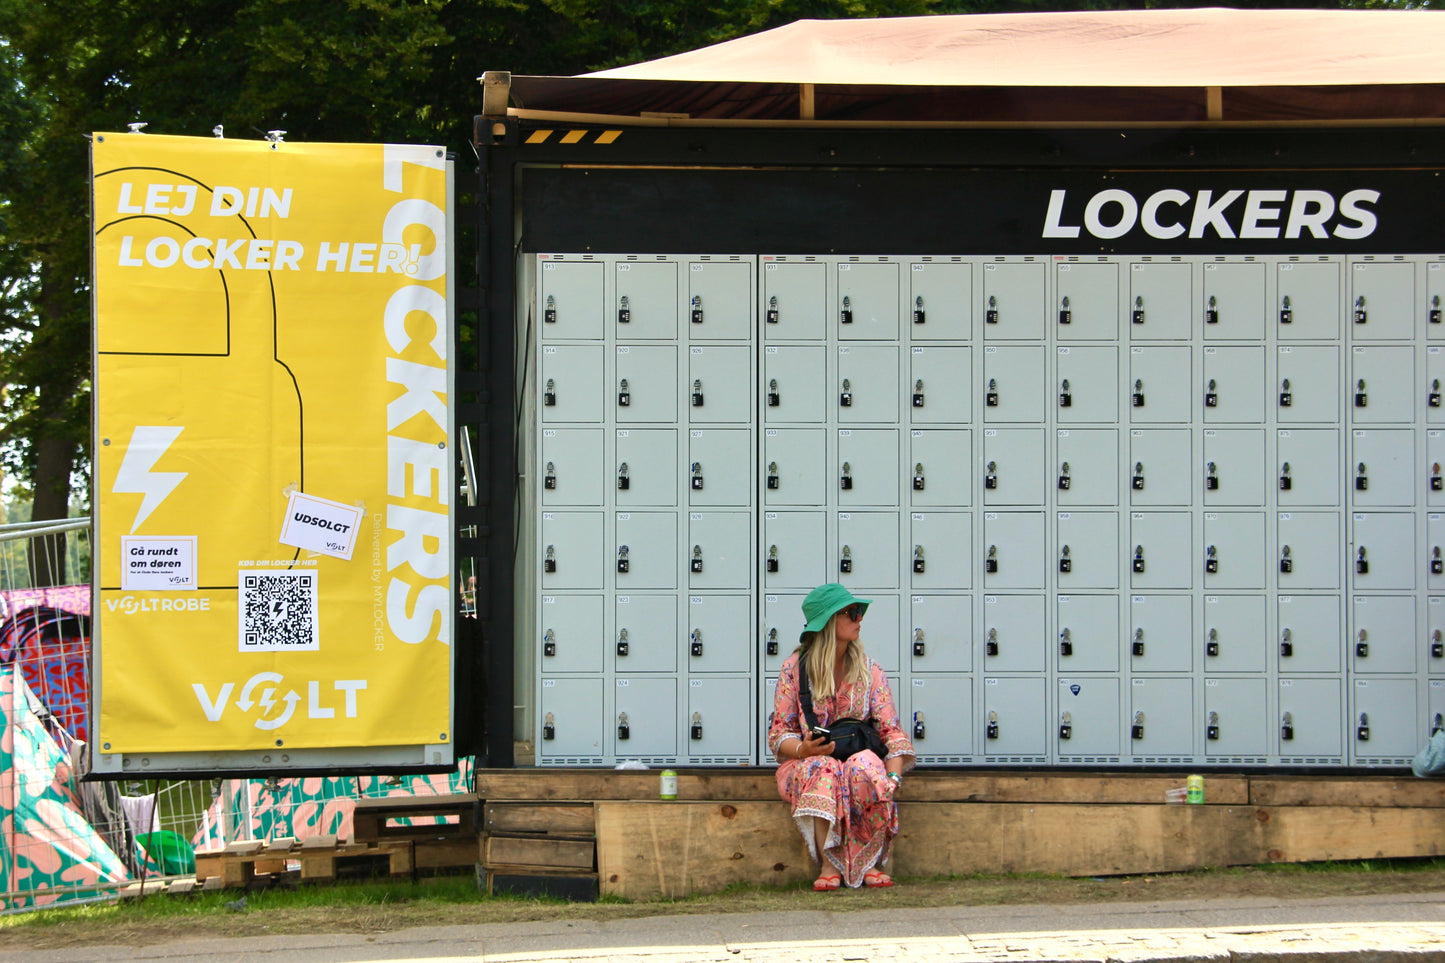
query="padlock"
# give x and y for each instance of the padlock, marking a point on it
(1286, 482)
(697, 309)
(624, 731)
(1211, 645)
(1136, 731)
(1064, 480)
(845, 561)
(990, 314)
(1286, 644)
(1211, 560)
(845, 481)
(1362, 400)
(990, 561)
(1137, 647)
(1211, 478)
(918, 483)
(1136, 481)
(549, 313)
(990, 475)
(773, 480)
(772, 316)
(624, 310)
(624, 481)
(772, 563)
(697, 560)
(1286, 564)
(1362, 732)
(695, 646)
(1211, 395)
(1066, 643)
(918, 567)
(1437, 564)
(1139, 309)
(990, 397)
(624, 394)
(1435, 309)
(774, 399)
(695, 730)
(1138, 399)
(992, 725)
(918, 310)
(845, 314)
(549, 727)
(697, 476)
(549, 396)
(1138, 559)
(990, 645)
(697, 392)
(1437, 645)
(623, 646)
(772, 647)
(845, 398)
(624, 564)
(1066, 397)
(1066, 726)
(1362, 480)
(1286, 727)
(1360, 309)
(1066, 315)
(1437, 481)
(1362, 564)
(1211, 313)
(549, 563)
(918, 648)
(918, 728)
(1362, 644)
(549, 481)
(1211, 731)
(1286, 313)
(918, 393)
(549, 643)
(1066, 564)
(1434, 399)
(1286, 396)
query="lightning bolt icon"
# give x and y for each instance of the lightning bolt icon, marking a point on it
(147, 444)
(267, 700)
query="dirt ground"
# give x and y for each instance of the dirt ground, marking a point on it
(360, 909)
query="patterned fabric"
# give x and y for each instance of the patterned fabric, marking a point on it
(52, 648)
(855, 796)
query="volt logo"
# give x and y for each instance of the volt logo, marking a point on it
(263, 692)
(147, 444)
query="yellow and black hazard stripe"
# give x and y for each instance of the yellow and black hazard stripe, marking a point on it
(574, 136)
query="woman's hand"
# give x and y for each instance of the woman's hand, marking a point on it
(813, 744)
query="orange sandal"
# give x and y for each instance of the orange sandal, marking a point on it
(873, 879)
(826, 882)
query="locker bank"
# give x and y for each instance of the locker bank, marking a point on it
(1121, 400)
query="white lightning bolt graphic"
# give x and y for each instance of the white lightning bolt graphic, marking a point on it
(147, 444)
(267, 700)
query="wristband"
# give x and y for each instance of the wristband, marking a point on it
(897, 779)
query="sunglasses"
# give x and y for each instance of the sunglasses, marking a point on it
(855, 612)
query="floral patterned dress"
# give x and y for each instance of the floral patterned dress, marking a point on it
(855, 797)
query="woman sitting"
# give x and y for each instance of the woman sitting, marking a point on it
(844, 809)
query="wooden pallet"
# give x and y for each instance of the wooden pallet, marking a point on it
(320, 858)
(541, 849)
(372, 820)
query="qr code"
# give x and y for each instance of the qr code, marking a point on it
(278, 612)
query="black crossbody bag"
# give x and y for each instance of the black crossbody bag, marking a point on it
(849, 736)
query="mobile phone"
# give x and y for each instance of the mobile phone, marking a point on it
(820, 731)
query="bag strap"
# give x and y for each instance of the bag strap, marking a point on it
(805, 693)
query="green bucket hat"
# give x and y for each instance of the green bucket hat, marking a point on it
(824, 602)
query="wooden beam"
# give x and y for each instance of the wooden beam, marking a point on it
(544, 853)
(807, 102)
(1214, 103)
(1382, 791)
(552, 819)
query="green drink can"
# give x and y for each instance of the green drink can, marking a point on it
(1194, 789)
(667, 788)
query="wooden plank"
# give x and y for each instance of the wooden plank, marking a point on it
(181, 887)
(555, 853)
(1381, 791)
(372, 818)
(281, 845)
(551, 819)
(208, 865)
(571, 785)
(272, 867)
(245, 846)
(402, 805)
(1318, 833)
(318, 842)
(447, 853)
(236, 872)
(668, 850)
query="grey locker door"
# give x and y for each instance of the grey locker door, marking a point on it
(1088, 551)
(1382, 300)
(647, 382)
(1013, 466)
(645, 722)
(767, 712)
(571, 711)
(881, 627)
(867, 307)
(720, 718)
(782, 623)
(1088, 633)
(647, 300)
(573, 306)
(1161, 633)
(1434, 474)
(646, 469)
(1309, 718)
(795, 385)
(1435, 552)
(795, 466)
(940, 638)
(1088, 301)
(1311, 635)
(1435, 384)
(1236, 633)
(1310, 547)
(719, 550)
(1382, 384)
(1234, 385)
(1160, 466)
(940, 467)
(719, 633)
(793, 550)
(1307, 307)
(647, 541)
(1384, 551)
(1235, 542)
(1013, 634)
(940, 385)
(1160, 385)
(1388, 709)
(1160, 550)
(647, 634)
(1088, 471)
(1013, 383)
(571, 383)
(1014, 301)
(1234, 293)
(1307, 389)
(1382, 467)
(572, 637)
(1161, 301)
(939, 715)
(1234, 716)
(1161, 717)
(1013, 550)
(720, 299)
(867, 389)
(941, 556)
(867, 466)
(716, 463)
(1088, 723)
(572, 466)
(1308, 467)
(1434, 313)
(1435, 635)
(719, 384)
(795, 300)
(1011, 713)
(940, 302)
(868, 541)
(1234, 466)
(1087, 384)
(572, 551)
(1383, 635)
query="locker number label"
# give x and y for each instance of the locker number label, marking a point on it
(550, 349)
(549, 600)
(549, 433)
(624, 600)
(623, 349)
(694, 599)
(622, 683)
(695, 350)
(549, 516)
(696, 683)
(549, 683)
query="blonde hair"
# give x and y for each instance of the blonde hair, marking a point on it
(819, 653)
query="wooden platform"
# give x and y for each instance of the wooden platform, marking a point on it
(323, 858)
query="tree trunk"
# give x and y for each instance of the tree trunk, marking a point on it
(54, 459)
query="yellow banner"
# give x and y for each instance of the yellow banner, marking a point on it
(272, 465)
